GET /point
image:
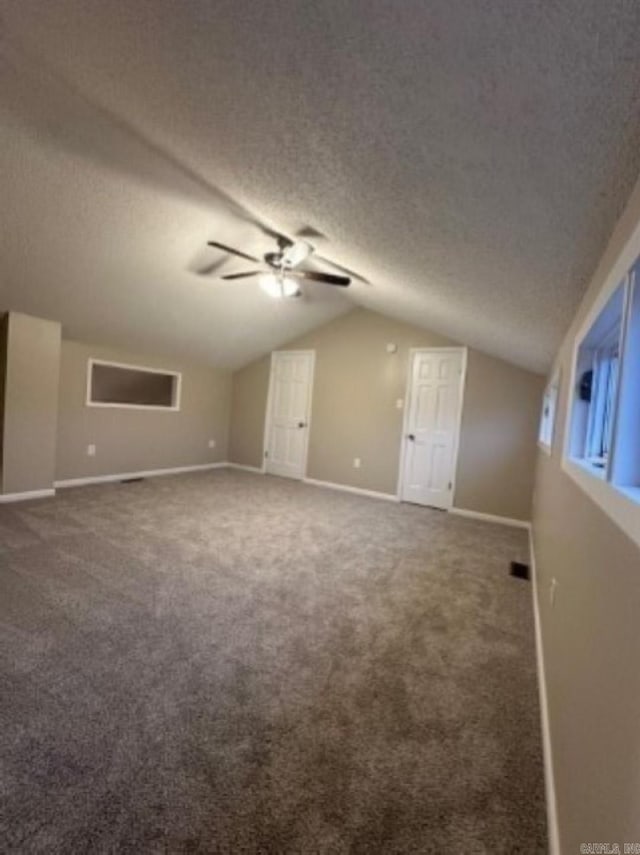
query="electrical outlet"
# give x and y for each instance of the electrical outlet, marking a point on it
(91, 450)
(552, 591)
(212, 443)
(399, 404)
(357, 463)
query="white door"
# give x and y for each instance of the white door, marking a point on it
(289, 412)
(432, 424)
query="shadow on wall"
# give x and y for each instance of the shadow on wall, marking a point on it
(60, 114)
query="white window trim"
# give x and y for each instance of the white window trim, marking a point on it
(621, 504)
(177, 394)
(598, 407)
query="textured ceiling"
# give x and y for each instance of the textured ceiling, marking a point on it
(470, 159)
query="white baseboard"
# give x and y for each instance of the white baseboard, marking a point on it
(345, 488)
(29, 494)
(145, 473)
(476, 515)
(257, 470)
(549, 780)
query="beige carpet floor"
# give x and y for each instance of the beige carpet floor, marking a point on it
(225, 663)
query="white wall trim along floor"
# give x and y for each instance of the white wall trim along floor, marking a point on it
(145, 473)
(255, 469)
(29, 494)
(177, 470)
(476, 515)
(345, 488)
(549, 780)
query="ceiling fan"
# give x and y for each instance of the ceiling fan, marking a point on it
(281, 274)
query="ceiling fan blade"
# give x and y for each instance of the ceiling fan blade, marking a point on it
(211, 268)
(309, 232)
(346, 270)
(243, 275)
(327, 278)
(232, 251)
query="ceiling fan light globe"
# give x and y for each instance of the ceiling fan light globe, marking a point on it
(296, 253)
(279, 287)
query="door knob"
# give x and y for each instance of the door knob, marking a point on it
(411, 436)
(302, 424)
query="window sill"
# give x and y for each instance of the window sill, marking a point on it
(598, 472)
(155, 407)
(632, 493)
(544, 447)
(621, 504)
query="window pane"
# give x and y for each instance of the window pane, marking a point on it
(594, 397)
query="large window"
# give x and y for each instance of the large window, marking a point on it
(602, 450)
(595, 395)
(625, 462)
(111, 384)
(604, 385)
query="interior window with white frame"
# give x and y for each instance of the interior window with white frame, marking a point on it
(548, 416)
(604, 385)
(625, 462)
(595, 394)
(602, 445)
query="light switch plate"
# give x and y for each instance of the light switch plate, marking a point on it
(91, 450)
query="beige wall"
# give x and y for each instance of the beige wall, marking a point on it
(590, 638)
(499, 437)
(129, 440)
(30, 404)
(248, 406)
(354, 414)
(4, 330)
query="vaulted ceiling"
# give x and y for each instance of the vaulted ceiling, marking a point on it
(469, 159)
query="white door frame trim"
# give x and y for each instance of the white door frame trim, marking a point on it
(267, 418)
(464, 351)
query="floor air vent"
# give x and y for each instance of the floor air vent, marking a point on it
(519, 570)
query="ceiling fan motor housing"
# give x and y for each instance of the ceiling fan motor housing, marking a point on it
(275, 260)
